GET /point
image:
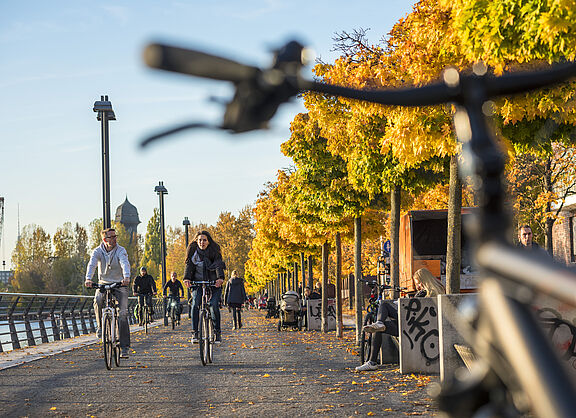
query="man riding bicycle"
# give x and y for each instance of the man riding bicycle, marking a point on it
(113, 267)
(175, 292)
(145, 287)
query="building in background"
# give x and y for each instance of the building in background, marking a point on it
(127, 215)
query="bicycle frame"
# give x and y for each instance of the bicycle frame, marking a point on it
(508, 339)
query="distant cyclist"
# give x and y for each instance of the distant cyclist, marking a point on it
(113, 267)
(175, 291)
(204, 262)
(144, 287)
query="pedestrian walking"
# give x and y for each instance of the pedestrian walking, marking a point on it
(234, 297)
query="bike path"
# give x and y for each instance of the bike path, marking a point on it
(256, 371)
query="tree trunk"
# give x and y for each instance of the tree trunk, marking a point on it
(549, 243)
(325, 255)
(339, 323)
(453, 238)
(295, 276)
(311, 272)
(303, 274)
(359, 297)
(395, 238)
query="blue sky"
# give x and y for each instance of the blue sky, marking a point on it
(59, 57)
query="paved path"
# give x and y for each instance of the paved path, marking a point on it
(257, 371)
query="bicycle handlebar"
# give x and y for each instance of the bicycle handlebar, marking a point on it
(383, 286)
(259, 93)
(107, 286)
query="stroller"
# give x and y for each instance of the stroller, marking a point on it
(290, 312)
(272, 309)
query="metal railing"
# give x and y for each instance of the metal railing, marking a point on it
(30, 319)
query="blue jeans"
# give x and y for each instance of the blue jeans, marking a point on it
(214, 307)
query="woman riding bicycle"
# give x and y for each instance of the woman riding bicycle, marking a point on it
(387, 316)
(204, 262)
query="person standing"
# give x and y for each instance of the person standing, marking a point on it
(174, 290)
(235, 296)
(113, 267)
(204, 262)
(525, 238)
(144, 287)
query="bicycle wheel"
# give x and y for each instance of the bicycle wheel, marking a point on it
(139, 315)
(173, 317)
(107, 341)
(366, 341)
(117, 343)
(202, 341)
(211, 339)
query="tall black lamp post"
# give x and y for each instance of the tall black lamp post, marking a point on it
(105, 113)
(186, 224)
(161, 191)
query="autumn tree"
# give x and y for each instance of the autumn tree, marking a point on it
(235, 234)
(32, 260)
(152, 257)
(520, 35)
(70, 259)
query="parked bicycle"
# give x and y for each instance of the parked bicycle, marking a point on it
(518, 371)
(206, 332)
(377, 293)
(110, 324)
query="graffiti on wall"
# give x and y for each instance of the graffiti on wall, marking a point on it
(314, 313)
(420, 328)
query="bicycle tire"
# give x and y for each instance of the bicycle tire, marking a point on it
(366, 341)
(117, 343)
(139, 313)
(107, 341)
(173, 317)
(211, 339)
(202, 338)
(146, 315)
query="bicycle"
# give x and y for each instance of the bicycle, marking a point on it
(110, 324)
(517, 369)
(206, 332)
(376, 296)
(173, 305)
(144, 312)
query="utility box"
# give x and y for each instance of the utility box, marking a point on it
(423, 238)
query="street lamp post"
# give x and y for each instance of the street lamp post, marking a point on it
(186, 224)
(105, 113)
(161, 191)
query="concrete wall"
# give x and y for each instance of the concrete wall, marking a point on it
(449, 358)
(314, 314)
(419, 337)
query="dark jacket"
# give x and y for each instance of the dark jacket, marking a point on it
(235, 292)
(174, 288)
(144, 284)
(213, 264)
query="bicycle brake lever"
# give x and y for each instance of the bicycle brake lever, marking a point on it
(171, 131)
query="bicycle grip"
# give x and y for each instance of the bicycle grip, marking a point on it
(196, 63)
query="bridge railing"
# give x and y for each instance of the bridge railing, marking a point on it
(28, 319)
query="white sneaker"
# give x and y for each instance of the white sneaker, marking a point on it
(368, 366)
(195, 339)
(375, 327)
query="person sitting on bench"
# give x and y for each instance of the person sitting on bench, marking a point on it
(387, 316)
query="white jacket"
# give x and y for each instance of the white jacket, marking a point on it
(113, 266)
